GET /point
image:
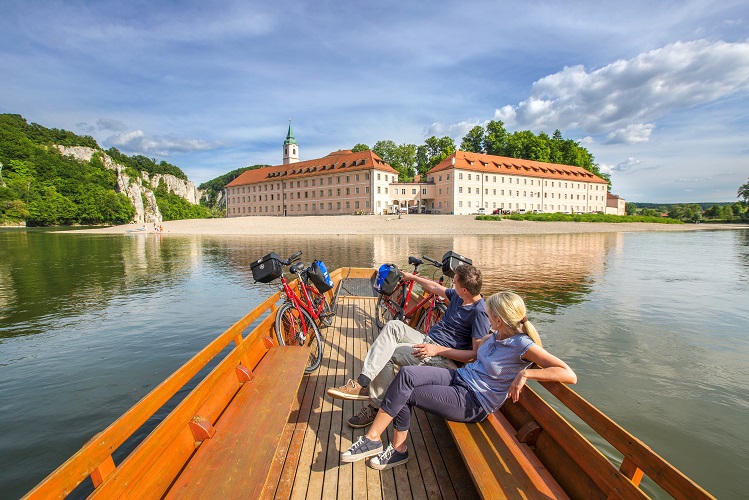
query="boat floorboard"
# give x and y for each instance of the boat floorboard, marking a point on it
(307, 463)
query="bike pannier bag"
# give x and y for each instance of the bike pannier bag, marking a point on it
(387, 278)
(451, 261)
(318, 275)
(267, 269)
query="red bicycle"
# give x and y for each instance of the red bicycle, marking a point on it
(295, 319)
(395, 305)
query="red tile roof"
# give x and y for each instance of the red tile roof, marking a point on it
(342, 161)
(513, 166)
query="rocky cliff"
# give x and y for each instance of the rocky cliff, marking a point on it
(138, 189)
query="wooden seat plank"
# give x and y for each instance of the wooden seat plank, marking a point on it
(498, 462)
(256, 419)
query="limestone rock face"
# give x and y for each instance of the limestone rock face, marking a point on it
(139, 190)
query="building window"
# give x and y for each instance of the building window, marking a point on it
(386, 190)
(423, 191)
(379, 190)
(460, 203)
(356, 204)
(448, 177)
(366, 177)
(378, 176)
(356, 177)
(356, 190)
(460, 189)
(469, 175)
(348, 204)
(440, 190)
(460, 175)
(366, 189)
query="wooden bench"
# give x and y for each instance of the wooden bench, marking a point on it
(500, 465)
(234, 461)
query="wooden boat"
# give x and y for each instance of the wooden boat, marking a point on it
(255, 426)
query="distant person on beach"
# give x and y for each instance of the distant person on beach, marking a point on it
(454, 338)
(467, 394)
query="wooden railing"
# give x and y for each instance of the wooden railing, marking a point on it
(94, 460)
(579, 466)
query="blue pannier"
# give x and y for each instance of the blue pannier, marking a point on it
(387, 278)
(320, 277)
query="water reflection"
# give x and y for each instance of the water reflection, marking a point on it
(550, 270)
(47, 277)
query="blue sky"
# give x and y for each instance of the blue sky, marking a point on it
(657, 91)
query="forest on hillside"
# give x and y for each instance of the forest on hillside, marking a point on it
(41, 187)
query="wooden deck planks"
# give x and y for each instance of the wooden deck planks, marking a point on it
(307, 463)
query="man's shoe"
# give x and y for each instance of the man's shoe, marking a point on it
(352, 390)
(365, 417)
(388, 459)
(362, 448)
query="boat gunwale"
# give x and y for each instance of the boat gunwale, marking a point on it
(96, 455)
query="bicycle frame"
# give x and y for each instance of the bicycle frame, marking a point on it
(304, 302)
(432, 299)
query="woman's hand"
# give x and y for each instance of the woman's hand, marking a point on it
(517, 386)
(422, 351)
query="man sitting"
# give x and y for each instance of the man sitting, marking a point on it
(453, 338)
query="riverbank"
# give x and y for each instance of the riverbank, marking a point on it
(391, 224)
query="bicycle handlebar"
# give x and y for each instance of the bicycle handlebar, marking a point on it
(434, 262)
(293, 258)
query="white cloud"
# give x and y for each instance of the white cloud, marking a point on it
(639, 132)
(620, 98)
(137, 142)
(456, 131)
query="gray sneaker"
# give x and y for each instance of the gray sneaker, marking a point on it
(365, 417)
(363, 448)
(388, 459)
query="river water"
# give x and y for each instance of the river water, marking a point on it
(656, 325)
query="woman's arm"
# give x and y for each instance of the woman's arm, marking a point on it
(552, 369)
(427, 285)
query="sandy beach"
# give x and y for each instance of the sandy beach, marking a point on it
(391, 224)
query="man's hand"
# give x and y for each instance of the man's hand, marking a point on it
(422, 351)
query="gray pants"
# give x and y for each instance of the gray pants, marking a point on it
(394, 348)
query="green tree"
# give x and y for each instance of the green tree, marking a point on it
(360, 147)
(432, 152)
(495, 138)
(630, 208)
(743, 193)
(49, 208)
(473, 140)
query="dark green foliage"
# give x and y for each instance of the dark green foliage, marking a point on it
(525, 145)
(174, 207)
(359, 147)
(44, 188)
(432, 152)
(402, 158)
(213, 187)
(142, 163)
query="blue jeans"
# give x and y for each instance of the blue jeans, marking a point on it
(436, 390)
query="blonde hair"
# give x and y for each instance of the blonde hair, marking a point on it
(511, 309)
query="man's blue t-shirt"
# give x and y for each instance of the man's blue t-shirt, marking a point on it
(460, 323)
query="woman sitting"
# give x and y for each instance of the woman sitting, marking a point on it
(470, 393)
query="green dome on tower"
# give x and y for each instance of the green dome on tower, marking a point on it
(290, 136)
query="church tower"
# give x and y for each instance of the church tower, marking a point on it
(290, 148)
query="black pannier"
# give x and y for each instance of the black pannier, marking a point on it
(451, 261)
(319, 276)
(386, 280)
(267, 269)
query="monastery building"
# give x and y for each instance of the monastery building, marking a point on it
(345, 182)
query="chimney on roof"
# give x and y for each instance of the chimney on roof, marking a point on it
(452, 161)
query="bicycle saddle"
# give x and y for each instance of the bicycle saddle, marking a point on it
(414, 261)
(297, 268)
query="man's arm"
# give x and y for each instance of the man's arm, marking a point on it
(422, 351)
(427, 285)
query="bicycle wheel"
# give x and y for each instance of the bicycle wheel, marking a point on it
(429, 318)
(326, 313)
(388, 307)
(289, 331)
